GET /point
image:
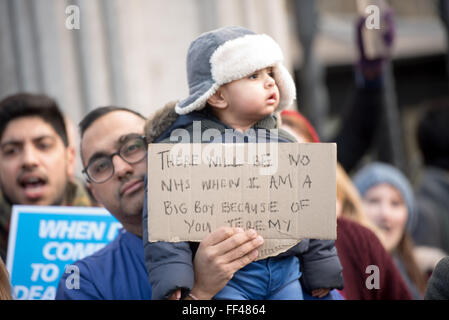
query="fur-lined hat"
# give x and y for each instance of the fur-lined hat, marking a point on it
(227, 54)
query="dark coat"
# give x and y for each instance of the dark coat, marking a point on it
(432, 228)
(170, 265)
(438, 285)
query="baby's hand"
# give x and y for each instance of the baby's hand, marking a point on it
(176, 295)
(320, 293)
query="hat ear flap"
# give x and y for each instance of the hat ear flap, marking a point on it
(198, 103)
(286, 86)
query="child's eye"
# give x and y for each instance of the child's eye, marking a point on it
(270, 72)
(253, 76)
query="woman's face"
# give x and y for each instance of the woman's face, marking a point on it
(385, 207)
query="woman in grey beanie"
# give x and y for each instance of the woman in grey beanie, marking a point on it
(389, 203)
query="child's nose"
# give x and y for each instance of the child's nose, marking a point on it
(269, 81)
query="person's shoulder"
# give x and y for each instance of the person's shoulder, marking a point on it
(160, 121)
(91, 272)
(108, 252)
(188, 123)
(96, 265)
(286, 135)
(438, 285)
(273, 122)
(116, 271)
(353, 232)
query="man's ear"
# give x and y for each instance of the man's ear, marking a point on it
(92, 191)
(217, 100)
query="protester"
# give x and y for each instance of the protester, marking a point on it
(359, 248)
(5, 286)
(438, 285)
(432, 228)
(237, 81)
(389, 203)
(36, 160)
(364, 124)
(358, 244)
(431, 232)
(113, 153)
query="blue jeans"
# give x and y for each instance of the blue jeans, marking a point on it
(267, 279)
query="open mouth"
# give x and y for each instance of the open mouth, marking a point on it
(33, 186)
(272, 98)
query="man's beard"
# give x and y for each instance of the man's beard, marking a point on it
(133, 207)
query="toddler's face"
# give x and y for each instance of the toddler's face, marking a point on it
(253, 97)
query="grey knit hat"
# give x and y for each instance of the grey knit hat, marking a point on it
(377, 173)
(227, 54)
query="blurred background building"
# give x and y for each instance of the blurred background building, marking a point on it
(132, 52)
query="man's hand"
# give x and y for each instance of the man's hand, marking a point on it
(219, 256)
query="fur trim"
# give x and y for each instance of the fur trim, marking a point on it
(240, 57)
(286, 86)
(160, 121)
(199, 103)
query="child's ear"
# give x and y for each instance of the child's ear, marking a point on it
(217, 100)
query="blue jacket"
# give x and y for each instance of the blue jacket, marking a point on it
(170, 265)
(116, 272)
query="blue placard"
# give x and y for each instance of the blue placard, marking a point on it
(44, 240)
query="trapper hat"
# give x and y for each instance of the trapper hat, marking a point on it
(223, 55)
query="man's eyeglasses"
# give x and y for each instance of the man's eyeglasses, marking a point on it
(101, 169)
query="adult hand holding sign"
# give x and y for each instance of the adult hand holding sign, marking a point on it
(224, 251)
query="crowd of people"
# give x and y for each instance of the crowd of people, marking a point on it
(237, 81)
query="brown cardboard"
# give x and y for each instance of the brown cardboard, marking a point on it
(285, 191)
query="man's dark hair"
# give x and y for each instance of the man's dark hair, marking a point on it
(99, 112)
(433, 136)
(28, 105)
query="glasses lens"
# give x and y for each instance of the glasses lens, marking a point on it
(100, 170)
(134, 150)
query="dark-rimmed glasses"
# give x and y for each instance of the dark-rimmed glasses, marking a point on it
(100, 169)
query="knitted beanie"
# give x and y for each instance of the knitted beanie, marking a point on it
(223, 55)
(376, 173)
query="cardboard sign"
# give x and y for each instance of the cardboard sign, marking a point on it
(44, 240)
(285, 191)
